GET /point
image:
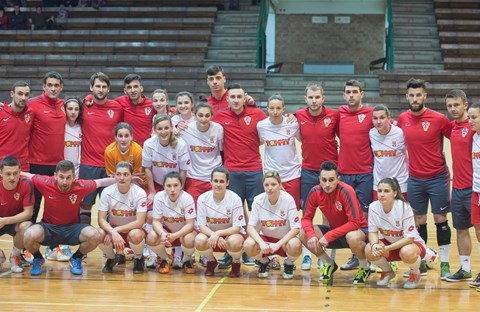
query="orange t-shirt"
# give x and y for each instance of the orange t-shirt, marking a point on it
(133, 156)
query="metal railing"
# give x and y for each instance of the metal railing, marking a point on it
(261, 38)
(389, 38)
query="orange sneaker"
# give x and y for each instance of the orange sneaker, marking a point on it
(164, 267)
(188, 267)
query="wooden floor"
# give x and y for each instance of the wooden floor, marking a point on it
(57, 289)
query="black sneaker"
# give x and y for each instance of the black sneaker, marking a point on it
(139, 265)
(352, 263)
(225, 261)
(120, 258)
(247, 260)
(263, 269)
(109, 264)
(287, 271)
(327, 271)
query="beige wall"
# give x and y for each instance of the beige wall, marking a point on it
(298, 40)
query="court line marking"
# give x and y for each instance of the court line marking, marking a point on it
(6, 273)
(96, 304)
(210, 294)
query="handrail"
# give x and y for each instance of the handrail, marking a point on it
(390, 45)
(261, 38)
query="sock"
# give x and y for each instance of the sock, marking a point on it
(306, 252)
(422, 230)
(15, 251)
(187, 253)
(107, 250)
(160, 250)
(325, 258)
(465, 263)
(236, 255)
(177, 251)
(208, 254)
(37, 255)
(290, 260)
(444, 253)
(415, 267)
(137, 249)
(148, 227)
(383, 264)
(261, 258)
(78, 255)
(85, 216)
(363, 263)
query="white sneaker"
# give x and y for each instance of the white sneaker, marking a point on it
(15, 266)
(2, 259)
(306, 263)
(57, 255)
(129, 254)
(146, 252)
(177, 262)
(151, 263)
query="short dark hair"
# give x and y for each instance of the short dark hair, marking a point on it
(474, 105)
(9, 161)
(124, 164)
(131, 77)
(77, 100)
(203, 105)
(414, 83)
(20, 83)
(353, 83)
(277, 97)
(123, 125)
(221, 169)
(235, 86)
(456, 93)
(381, 107)
(100, 76)
(172, 175)
(214, 69)
(65, 165)
(329, 166)
(52, 74)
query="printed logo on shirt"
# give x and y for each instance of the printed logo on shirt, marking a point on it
(201, 149)
(327, 121)
(174, 220)
(391, 153)
(476, 155)
(211, 139)
(411, 228)
(425, 125)
(361, 118)
(280, 142)
(111, 113)
(90, 113)
(240, 217)
(27, 118)
(164, 164)
(148, 110)
(288, 131)
(229, 212)
(132, 204)
(464, 132)
(63, 109)
(397, 223)
(391, 233)
(182, 211)
(296, 219)
(218, 220)
(73, 198)
(190, 211)
(72, 144)
(6, 119)
(282, 213)
(338, 205)
(247, 119)
(16, 196)
(394, 143)
(46, 112)
(124, 213)
(273, 223)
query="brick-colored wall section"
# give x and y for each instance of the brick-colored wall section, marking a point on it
(298, 41)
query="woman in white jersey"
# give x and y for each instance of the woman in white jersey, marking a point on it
(273, 227)
(73, 131)
(173, 223)
(221, 220)
(184, 105)
(392, 234)
(204, 139)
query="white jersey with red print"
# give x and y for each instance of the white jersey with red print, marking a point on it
(274, 220)
(390, 156)
(220, 215)
(204, 149)
(177, 118)
(173, 214)
(280, 149)
(123, 208)
(164, 159)
(73, 143)
(396, 224)
(476, 162)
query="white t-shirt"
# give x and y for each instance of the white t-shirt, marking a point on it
(73, 144)
(123, 208)
(476, 162)
(396, 224)
(164, 159)
(280, 149)
(173, 215)
(177, 118)
(390, 156)
(220, 215)
(204, 149)
(274, 220)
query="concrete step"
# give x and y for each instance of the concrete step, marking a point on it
(409, 18)
(226, 63)
(411, 31)
(416, 43)
(413, 8)
(327, 82)
(237, 17)
(240, 54)
(237, 41)
(416, 65)
(234, 29)
(418, 55)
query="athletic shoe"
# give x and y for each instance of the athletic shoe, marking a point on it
(225, 261)
(139, 265)
(362, 276)
(476, 282)
(461, 275)
(263, 269)
(319, 263)
(327, 271)
(394, 266)
(203, 261)
(76, 264)
(385, 278)
(275, 263)
(129, 254)
(352, 263)
(177, 262)
(444, 270)
(188, 267)
(210, 270)
(146, 252)
(56, 254)
(235, 271)
(412, 281)
(164, 266)
(67, 251)
(36, 268)
(109, 264)
(120, 258)
(306, 263)
(15, 265)
(152, 262)
(423, 270)
(287, 271)
(3, 259)
(27, 257)
(371, 267)
(247, 260)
